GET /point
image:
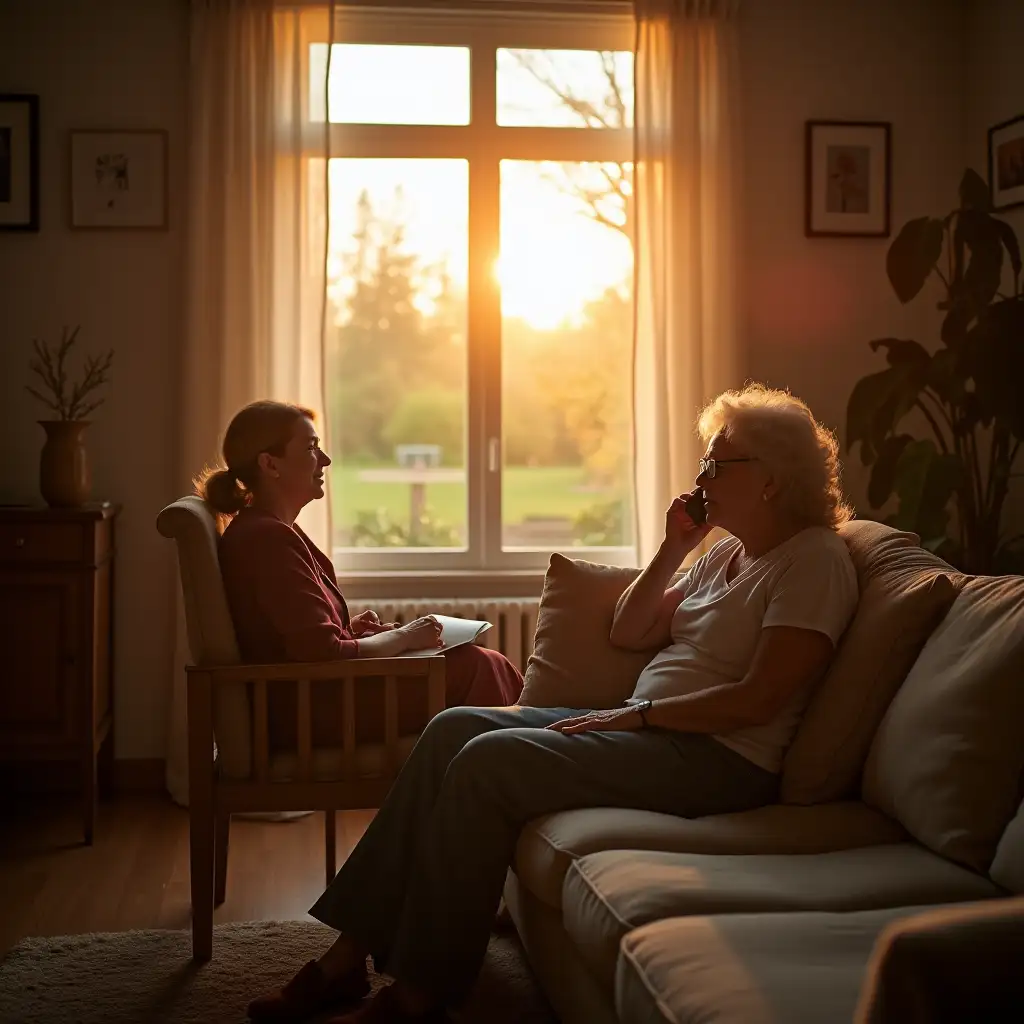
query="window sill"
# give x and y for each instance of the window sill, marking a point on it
(452, 583)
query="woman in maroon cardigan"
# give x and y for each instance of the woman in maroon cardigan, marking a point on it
(281, 589)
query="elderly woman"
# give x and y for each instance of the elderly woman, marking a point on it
(745, 636)
(282, 591)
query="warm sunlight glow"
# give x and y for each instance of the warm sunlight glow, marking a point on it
(555, 257)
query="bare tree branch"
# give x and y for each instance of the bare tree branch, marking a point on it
(51, 369)
(616, 194)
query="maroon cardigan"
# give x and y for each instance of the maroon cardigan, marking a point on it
(281, 589)
(286, 606)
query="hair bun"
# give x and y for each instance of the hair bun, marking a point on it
(222, 491)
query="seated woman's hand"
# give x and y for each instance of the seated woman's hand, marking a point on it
(420, 633)
(368, 624)
(612, 720)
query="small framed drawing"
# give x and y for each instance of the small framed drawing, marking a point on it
(19, 162)
(848, 175)
(119, 179)
(1006, 163)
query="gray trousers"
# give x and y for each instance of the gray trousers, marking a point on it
(421, 888)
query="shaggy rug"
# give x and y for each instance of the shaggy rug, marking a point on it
(148, 976)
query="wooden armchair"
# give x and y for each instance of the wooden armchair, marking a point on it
(232, 766)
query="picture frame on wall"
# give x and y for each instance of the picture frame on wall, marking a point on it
(1006, 163)
(19, 162)
(848, 179)
(118, 179)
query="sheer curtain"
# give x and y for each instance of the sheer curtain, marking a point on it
(257, 250)
(687, 187)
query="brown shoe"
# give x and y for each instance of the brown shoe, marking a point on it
(310, 992)
(384, 1008)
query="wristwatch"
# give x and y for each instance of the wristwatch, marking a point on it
(642, 706)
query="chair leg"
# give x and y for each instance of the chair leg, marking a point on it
(201, 814)
(331, 845)
(220, 867)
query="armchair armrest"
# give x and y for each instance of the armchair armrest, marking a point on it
(202, 679)
(948, 965)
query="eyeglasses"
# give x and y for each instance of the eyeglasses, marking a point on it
(709, 467)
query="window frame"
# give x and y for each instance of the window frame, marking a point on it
(483, 144)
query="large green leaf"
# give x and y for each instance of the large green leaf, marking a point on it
(956, 321)
(974, 192)
(925, 482)
(883, 473)
(877, 403)
(985, 268)
(946, 376)
(902, 353)
(995, 361)
(912, 255)
(1009, 239)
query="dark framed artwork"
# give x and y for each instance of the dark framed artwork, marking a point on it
(848, 179)
(119, 179)
(19, 162)
(1006, 163)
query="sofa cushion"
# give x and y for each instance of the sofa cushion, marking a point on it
(548, 845)
(802, 968)
(606, 895)
(1008, 864)
(573, 663)
(904, 593)
(947, 758)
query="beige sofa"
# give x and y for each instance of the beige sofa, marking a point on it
(901, 792)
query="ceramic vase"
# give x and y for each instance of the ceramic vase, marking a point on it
(64, 465)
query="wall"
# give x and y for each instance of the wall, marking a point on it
(994, 79)
(812, 304)
(120, 63)
(995, 93)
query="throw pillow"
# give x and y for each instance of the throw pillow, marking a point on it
(946, 761)
(904, 592)
(574, 663)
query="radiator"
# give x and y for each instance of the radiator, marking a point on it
(514, 620)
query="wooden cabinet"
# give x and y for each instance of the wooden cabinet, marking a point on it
(56, 634)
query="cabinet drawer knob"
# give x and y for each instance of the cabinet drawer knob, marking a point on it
(19, 542)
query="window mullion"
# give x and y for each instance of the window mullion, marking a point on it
(484, 328)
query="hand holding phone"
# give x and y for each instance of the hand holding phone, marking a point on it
(695, 507)
(686, 522)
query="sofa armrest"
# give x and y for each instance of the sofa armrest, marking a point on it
(950, 964)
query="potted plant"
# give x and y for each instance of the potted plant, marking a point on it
(64, 478)
(951, 486)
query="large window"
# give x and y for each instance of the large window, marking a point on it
(480, 289)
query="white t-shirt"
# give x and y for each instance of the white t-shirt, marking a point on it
(807, 581)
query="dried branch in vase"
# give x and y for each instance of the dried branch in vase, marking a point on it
(70, 401)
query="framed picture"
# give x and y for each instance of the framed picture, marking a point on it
(848, 175)
(19, 162)
(1006, 163)
(119, 179)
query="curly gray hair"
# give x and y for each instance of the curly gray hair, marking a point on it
(781, 432)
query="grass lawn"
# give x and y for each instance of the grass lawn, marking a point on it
(527, 491)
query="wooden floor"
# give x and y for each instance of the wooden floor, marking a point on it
(136, 873)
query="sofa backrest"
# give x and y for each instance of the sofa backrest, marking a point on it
(948, 757)
(191, 523)
(904, 593)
